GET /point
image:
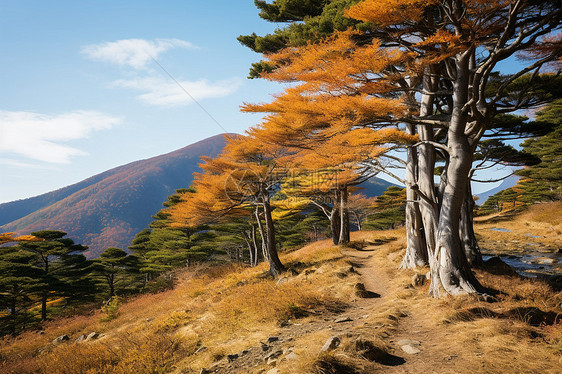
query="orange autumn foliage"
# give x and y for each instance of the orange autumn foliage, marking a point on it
(9, 237)
(229, 183)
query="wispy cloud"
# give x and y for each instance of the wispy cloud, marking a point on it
(136, 53)
(165, 92)
(38, 136)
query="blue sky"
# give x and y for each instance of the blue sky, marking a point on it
(81, 94)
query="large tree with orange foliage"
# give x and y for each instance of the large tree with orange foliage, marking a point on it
(245, 175)
(438, 58)
(333, 116)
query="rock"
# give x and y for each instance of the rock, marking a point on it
(292, 356)
(80, 339)
(92, 336)
(264, 347)
(273, 355)
(410, 349)
(428, 275)
(232, 357)
(272, 361)
(332, 343)
(272, 339)
(361, 291)
(402, 342)
(342, 319)
(60, 339)
(495, 265)
(418, 280)
(273, 371)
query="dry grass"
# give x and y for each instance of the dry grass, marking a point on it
(217, 311)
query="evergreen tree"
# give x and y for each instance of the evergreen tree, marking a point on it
(389, 210)
(116, 267)
(19, 283)
(57, 257)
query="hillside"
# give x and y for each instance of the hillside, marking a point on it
(110, 208)
(506, 183)
(340, 310)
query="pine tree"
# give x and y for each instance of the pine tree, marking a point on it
(433, 49)
(56, 256)
(115, 266)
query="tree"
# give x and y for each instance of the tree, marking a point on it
(546, 175)
(388, 211)
(309, 20)
(8, 237)
(446, 51)
(56, 256)
(244, 175)
(113, 265)
(359, 207)
(19, 278)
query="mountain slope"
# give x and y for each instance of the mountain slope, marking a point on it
(506, 183)
(375, 187)
(108, 209)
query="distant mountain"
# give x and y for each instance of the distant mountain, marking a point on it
(506, 183)
(108, 209)
(374, 187)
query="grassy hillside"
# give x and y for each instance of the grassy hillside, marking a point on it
(238, 320)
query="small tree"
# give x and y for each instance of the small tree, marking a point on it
(55, 255)
(114, 265)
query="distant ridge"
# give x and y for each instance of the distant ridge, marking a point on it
(108, 209)
(506, 183)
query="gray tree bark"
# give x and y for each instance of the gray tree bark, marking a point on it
(416, 253)
(468, 237)
(452, 269)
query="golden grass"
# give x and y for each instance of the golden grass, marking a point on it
(215, 311)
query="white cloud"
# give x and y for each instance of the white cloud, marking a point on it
(165, 92)
(38, 136)
(133, 52)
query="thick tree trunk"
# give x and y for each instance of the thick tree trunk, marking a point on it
(416, 253)
(468, 237)
(426, 166)
(275, 265)
(344, 217)
(452, 269)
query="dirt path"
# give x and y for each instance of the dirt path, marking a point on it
(415, 326)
